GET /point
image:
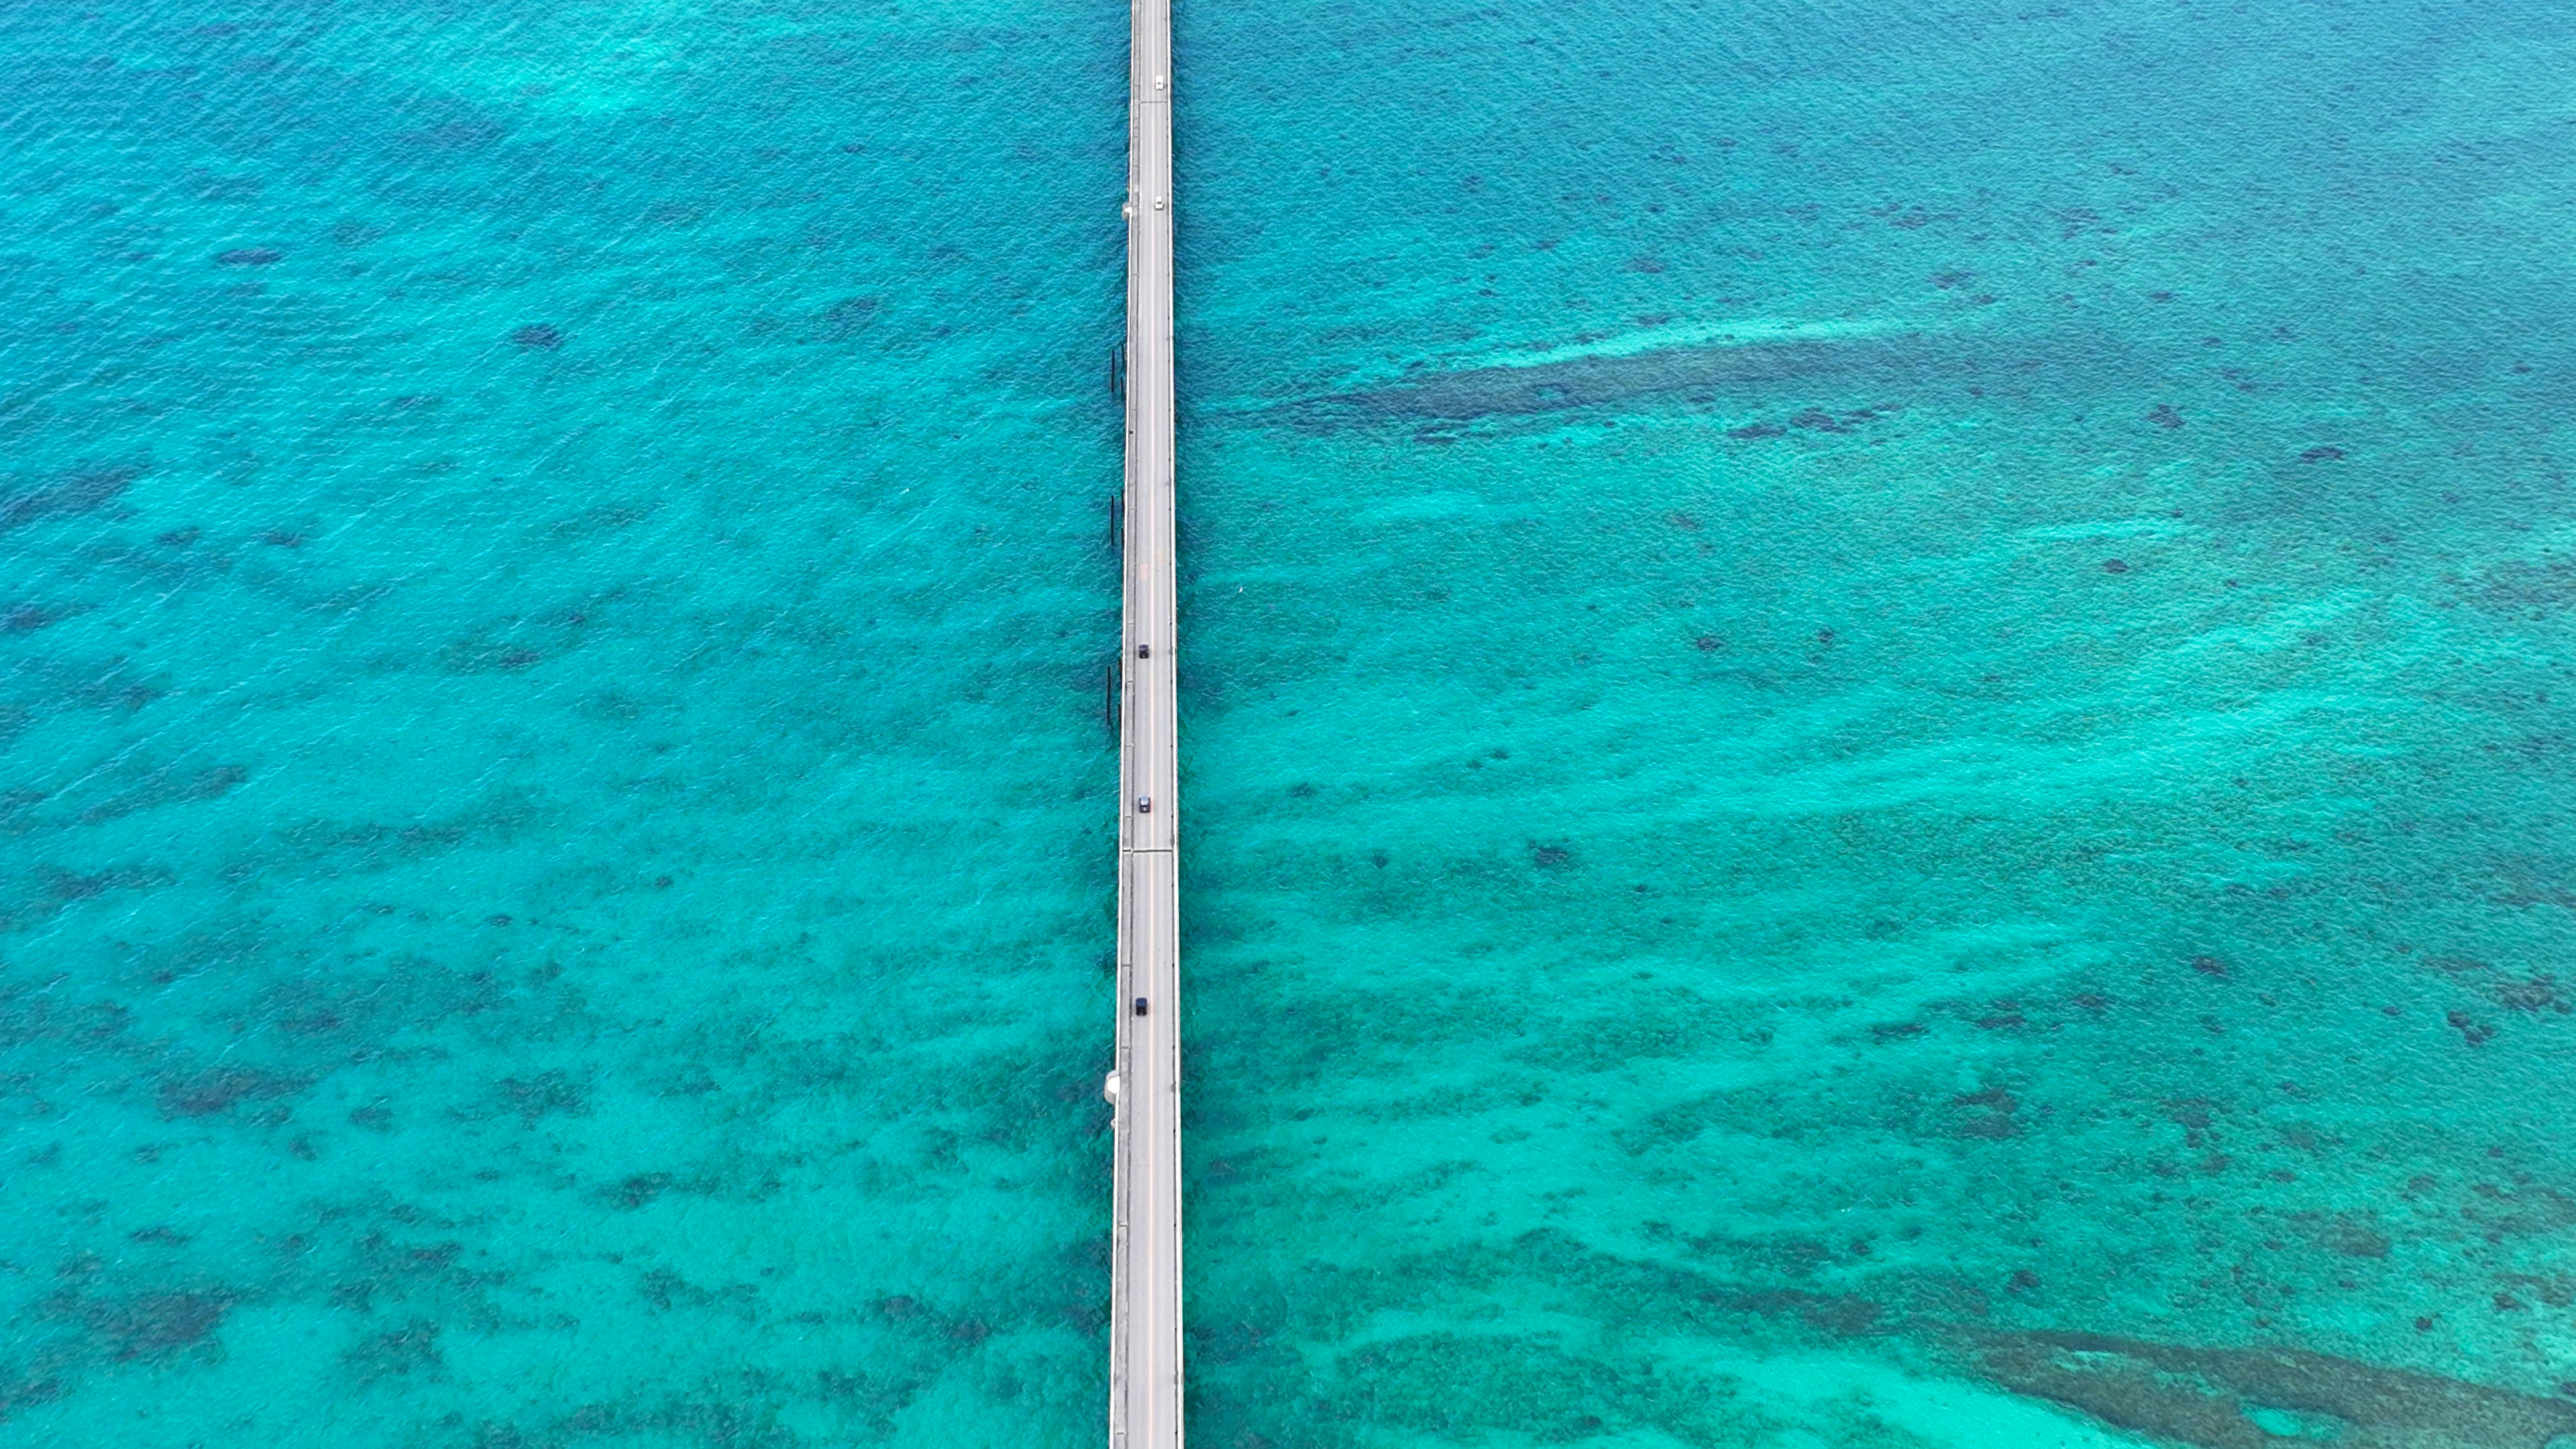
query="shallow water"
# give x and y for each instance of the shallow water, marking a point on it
(1877, 746)
(1878, 735)
(557, 801)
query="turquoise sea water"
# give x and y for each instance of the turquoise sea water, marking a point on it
(557, 806)
(1876, 722)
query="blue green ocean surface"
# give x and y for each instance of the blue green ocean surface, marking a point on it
(1877, 722)
(553, 578)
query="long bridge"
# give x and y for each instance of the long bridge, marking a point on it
(1145, 1272)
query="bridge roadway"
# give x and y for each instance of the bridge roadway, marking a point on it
(1145, 1272)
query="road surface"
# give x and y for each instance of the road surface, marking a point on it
(1145, 1283)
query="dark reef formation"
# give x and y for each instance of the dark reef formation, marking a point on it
(1700, 373)
(2250, 1398)
(82, 490)
(1766, 372)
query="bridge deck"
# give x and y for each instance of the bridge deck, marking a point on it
(1145, 1287)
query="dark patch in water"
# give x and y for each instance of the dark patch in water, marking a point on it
(412, 1348)
(28, 1395)
(538, 337)
(57, 683)
(2349, 1235)
(2546, 587)
(603, 518)
(639, 1190)
(1586, 382)
(338, 1017)
(2531, 1212)
(1990, 1115)
(2005, 1016)
(847, 318)
(84, 490)
(2535, 995)
(208, 1093)
(2256, 1398)
(509, 654)
(62, 885)
(250, 257)
(2321, 455)
(148, 1327)
(167, 787)
(457, 135)
(379, 1264)
(533, 1098)
(667, 1290)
